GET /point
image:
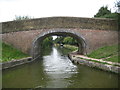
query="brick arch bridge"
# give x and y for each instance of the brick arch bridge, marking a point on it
(91, 33)
(62, 32)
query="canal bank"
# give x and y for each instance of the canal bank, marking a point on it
(55, 70)
(95, 63)
(13, 63)
(104, 58)
(75, 58)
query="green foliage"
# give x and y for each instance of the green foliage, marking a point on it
(66, 40)
(113, 59)
(105, 13)
(47, 42)
(117, 5)
(69, 40)
(66, 49)
(9, 53)
(102, 11)
(112, 15)
(22, 18)
(71, 47)
(106, 51)
(59, 39)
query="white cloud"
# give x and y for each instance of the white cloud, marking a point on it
(47, 8)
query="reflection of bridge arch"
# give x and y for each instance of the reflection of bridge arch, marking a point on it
(36, 46)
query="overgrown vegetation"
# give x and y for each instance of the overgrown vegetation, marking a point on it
(10, 53)
(71, 47)
(103, 11)
(47, 42)
(65, 40)
(111, 15)
(114, 58)
(106, 51)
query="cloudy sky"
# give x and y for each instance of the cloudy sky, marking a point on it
(48, 8)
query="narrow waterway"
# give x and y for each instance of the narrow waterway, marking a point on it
(55, 70)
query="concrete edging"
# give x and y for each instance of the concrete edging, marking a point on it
(14, 63)
(105, 67)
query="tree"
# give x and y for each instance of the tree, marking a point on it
(117, 5)
(47, 42)
(69, 40)
(59, 39)
(103, 11)
(65, 40)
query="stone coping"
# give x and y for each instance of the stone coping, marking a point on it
(100, 60)
(109, 66)
(17, 62)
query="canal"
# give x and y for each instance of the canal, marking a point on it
(55, 70)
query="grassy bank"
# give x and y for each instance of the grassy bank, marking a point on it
(107, 53)
(71, 47)
(9, 53)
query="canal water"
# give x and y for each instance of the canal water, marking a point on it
(55, 70)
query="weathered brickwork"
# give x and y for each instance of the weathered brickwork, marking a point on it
(91, 33)
(94, 38)
(60, 22)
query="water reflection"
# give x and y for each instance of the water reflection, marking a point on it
(57, 63)
(58, 69)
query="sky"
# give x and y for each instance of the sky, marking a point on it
(51, 8)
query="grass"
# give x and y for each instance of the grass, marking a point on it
(95, 61)
(113, 59)
(9, 53)
(71, 47)
(106, 51)
(99, 62)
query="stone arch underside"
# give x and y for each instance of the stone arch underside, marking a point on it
(36, 45)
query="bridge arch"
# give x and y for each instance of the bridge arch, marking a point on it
(36, 45)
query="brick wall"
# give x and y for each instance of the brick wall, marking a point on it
(94, 38)
(59, 22)
(97, 32)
